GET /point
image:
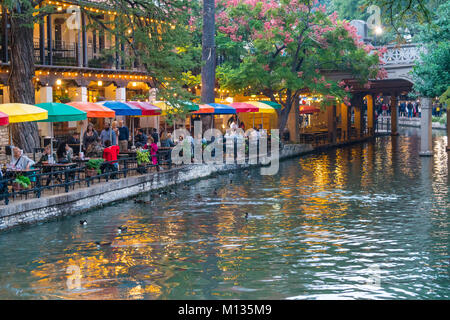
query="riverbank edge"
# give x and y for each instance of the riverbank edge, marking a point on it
(415, 123)
(39, 210)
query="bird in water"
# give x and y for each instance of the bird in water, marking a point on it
(83, 222)
(122, 229)
(141, 201)
(102, 243)
(198, 196)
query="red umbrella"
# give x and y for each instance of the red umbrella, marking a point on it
(244, 107)
(4, 119)
(148, 109)
(305, 109)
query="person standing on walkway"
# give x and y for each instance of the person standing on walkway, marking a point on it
(108, 134)
(124, 136)
(90, 136)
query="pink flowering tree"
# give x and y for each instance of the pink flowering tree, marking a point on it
(289, 48)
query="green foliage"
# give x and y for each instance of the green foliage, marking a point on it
(432, 73)
(142, 156)
(94, 164)
(23, 181)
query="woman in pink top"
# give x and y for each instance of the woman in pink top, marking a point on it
(153, 148)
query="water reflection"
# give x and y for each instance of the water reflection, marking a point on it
(316, 230)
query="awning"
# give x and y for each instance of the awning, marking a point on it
(204, 109)
(93, 110)
(272, 104)
(244, 107)
(121, 108)
(263, 108)
(59, 112)
(20, 112)
(222, 108)
(147, 108)
(305, 109)
(165, 106)
(4, 119)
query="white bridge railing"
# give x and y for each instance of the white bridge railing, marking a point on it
(405, 54)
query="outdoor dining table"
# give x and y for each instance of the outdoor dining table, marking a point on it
(54, 167)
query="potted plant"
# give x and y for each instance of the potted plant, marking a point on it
(93, 167)
(142, 157)
(21, 182)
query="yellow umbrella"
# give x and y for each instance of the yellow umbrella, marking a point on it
(163, 106)
(20, 112)
(263, 108)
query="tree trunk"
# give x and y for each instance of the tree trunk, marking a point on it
(208, 56)
(24, 135)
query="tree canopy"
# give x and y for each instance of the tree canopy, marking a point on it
(288, 47)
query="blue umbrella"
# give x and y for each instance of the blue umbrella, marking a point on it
(222, 108)
(122, 108)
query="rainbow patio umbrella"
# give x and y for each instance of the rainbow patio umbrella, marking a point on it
(4, 119)
(21, 112)
(122, 108)
(59, 112)
(93, 110)
(263, 108)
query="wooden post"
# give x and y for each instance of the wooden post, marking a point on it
(5, 35)
(49, 39)
(84, 40)
(344, 122)
(331, 116)
(370, 115)
(394, 115)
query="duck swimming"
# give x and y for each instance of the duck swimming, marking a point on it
(122, 229)
(83, 222)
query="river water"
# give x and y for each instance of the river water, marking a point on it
(366, 221)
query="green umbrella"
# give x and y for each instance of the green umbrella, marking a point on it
(59, 112)
(190, 105)
(272, 104)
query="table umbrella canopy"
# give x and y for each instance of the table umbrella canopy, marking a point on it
(244, 107)
(146, 108)
(4, 120)
(204, 109)
(272, 104)
(122, 108)
(20, 112)
(222, 108)
(59, 112)
(306, 109)
(93, 110)
(165, 106)
(263, 108)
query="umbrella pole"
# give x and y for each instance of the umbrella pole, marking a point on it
(51, 140)
(110, 131)
(132, 129)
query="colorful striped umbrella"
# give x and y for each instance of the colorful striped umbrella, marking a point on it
(272, 104)
(222, 108)
(147, 108)
(93, 110)
(20, 112)
(204, 109)
(4, 119)
(244, 107)
(122, 108)
(59, 112)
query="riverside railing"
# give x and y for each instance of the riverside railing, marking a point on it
(68, 178)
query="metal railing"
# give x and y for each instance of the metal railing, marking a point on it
(78, 174)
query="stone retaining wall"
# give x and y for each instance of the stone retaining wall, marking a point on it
(415, 122)
(97, 195)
